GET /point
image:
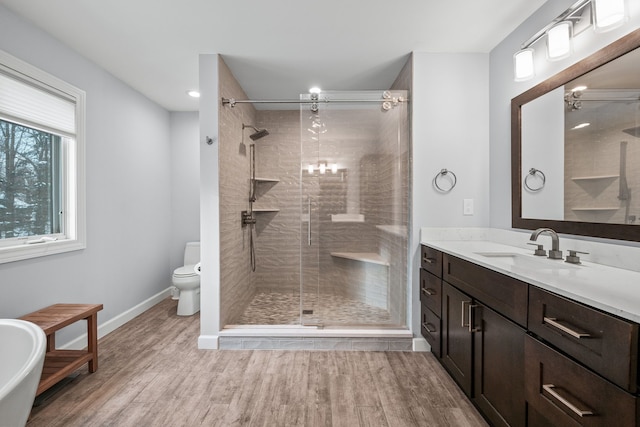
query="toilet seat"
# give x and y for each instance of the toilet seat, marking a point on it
(185, 271)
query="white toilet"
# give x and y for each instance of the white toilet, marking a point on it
(187, 280)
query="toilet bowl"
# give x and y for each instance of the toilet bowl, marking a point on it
(187, 281)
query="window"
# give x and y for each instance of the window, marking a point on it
(41, 163)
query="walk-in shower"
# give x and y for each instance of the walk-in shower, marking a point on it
(327, 212)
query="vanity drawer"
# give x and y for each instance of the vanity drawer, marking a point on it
(604, 343)
(504, 294)
(431, 260)
(431, 291)
(560, 392)
(430, 326)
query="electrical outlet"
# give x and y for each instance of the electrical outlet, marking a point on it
(467, 208)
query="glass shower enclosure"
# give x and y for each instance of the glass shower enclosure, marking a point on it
(354, 209)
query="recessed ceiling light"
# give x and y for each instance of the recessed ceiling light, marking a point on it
(315, 89)
(193, 93)
(580, 126)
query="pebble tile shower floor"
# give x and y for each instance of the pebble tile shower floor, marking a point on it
(277, 308)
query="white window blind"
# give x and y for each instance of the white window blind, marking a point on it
(37, 107)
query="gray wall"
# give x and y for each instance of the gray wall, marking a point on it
(450, 130)
(185, 184)
(128, 182)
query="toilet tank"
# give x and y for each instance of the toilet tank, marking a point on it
(192, 253)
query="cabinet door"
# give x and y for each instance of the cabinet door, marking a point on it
(498, 388)
(456, 337)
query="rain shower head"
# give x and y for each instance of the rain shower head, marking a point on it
(259, 133)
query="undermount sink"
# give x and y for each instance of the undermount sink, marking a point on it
(527, 261)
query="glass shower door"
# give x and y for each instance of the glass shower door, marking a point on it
(354, 209)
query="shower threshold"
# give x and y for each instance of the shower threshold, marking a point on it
(296, 337)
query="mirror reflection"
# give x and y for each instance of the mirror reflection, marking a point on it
(580, 148)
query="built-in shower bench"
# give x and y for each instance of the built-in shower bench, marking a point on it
(370, 257)
(58, 364)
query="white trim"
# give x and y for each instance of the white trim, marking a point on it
(208, 342)
(420, 344)
(115, 322)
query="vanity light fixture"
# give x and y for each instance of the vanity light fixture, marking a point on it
(323, 168)
(334, 168)
(601, 15)
(559, 41)
(608, 14)
(523, 65)
(310, 169)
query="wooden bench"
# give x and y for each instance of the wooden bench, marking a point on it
(60, 363)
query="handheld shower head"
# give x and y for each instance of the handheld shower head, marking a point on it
(259, 133)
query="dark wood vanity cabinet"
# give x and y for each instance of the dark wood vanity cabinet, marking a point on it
(528, 357)
(482, 349)
(431, 298)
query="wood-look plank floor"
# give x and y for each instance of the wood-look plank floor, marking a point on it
(152, 374)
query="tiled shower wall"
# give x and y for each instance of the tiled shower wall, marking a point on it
(236, 279)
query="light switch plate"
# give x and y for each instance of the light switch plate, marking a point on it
(467, 207)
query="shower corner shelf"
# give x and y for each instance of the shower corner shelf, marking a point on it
(370, 257)
(265, 210)
(263, 179)
(594, 178)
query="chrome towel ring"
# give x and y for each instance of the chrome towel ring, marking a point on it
(441, 175)
(535, 173)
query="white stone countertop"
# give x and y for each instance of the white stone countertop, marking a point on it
(610, 289)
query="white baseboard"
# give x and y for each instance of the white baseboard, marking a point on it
(420, 344)
(208, 342)
(115, 322)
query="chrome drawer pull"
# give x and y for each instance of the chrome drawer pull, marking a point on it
(553, 322)
(429, 260)
(429, 291)
(462, 311)
(429, 327)
(549, 388)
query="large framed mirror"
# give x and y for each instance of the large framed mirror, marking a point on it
(575, 147)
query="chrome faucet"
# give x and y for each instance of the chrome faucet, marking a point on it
(555, 252)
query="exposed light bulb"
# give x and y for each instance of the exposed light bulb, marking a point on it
(193, 93)
(315, 89)
(334, 168)
(310, 169)
(323, 168)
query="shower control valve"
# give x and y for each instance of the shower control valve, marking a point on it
(247, 218)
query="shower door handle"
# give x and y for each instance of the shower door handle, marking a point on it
(309, 221)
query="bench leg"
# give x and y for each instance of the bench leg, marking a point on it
(92, 341)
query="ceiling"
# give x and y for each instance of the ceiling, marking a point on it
(275, 48)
